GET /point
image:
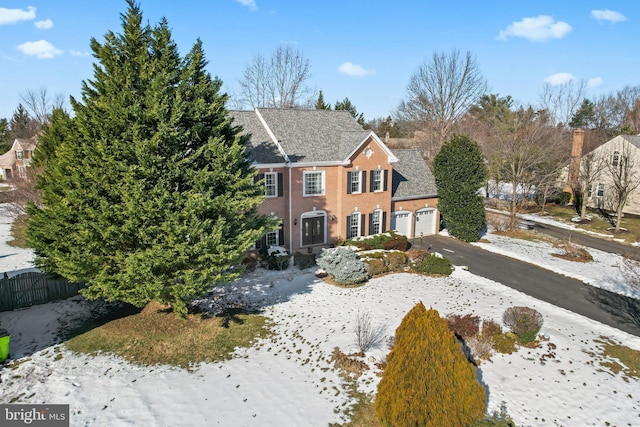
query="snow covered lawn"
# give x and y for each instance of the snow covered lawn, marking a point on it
(288, 379)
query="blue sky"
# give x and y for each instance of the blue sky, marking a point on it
(363, 50)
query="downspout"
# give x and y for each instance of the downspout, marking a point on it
(290, 166)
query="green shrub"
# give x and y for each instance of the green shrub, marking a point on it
(304, 261)
(525, 322)
(376, 267)
(274, 259)
(505, 343)
(396, 261)
(428, 381)
(433, 264)
(379, 241)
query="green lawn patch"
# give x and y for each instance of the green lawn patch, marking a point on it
(156, 336)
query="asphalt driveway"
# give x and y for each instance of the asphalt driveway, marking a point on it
(595, 303)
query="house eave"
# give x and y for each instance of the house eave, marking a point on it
(405, 198)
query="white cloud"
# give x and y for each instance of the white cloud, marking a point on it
(12, 16)
(77, 53)
(608, 15)
(41, 49)
(536, 29)
(559, 79)
(44, 25)
(251, 4)
(594, 82)
(353, 70)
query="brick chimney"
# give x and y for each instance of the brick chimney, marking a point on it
(573, 177)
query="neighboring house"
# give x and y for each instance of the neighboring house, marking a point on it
(327, 179)
(619, 156)
(14, 162)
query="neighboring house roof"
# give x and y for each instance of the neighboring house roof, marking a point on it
(412, 177)
(632, 139)
(26, 144)
(8, 160)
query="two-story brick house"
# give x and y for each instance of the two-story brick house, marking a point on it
(14, 163)
(328, 179)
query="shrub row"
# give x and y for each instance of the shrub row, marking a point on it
(386, 241)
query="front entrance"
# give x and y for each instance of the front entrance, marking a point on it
(313, 230)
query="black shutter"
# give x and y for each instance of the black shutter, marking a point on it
(281, 235)
(370, 224)
(258, 177)
(364, 181)
(371, 188)
(386, 178)
(363, 218)
(384, 222)
(348, 234)
(280, 184)
(262, 243)
(349, 182)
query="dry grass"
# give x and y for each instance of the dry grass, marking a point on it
(19, 232)
(628, 359)
(157, 336)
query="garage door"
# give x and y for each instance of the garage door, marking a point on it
(401, 222)
(425, 222)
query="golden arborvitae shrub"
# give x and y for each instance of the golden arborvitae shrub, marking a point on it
(428, 381)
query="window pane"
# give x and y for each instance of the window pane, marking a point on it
(354, 226)
(375, 222)
(270, 185)
(272, 238)
(355, 182)
(313, 183)
(377, 180)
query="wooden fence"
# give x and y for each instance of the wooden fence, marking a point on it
(27, 289)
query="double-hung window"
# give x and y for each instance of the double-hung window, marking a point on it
(600, 192)
(354, 182)
(271, 184)
(313, 183)
(376, 222)
(615, 159)
(354, 225)
(376, 180)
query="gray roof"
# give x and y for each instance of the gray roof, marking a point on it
(633, 139)
(304, 135)
(261, 148)
(412, 177)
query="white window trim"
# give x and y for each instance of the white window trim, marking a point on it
(277, 238)
(274, 176)
(381, 172)
(359, 221)
(379, 223)
(304, 183)
(615, 158)
(356, 178)
(600, 189)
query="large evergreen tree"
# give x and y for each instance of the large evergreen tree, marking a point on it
(346, 104)
(460, 171)
(150, 194)
(428, 381)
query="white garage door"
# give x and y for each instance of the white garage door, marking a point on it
(401, 222)
(425, 222)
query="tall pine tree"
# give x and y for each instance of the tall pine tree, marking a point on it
(460, 171)
(150, 194)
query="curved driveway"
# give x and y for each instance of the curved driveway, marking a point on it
(595, 303)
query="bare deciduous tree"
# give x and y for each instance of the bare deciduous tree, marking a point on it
(279, 81)
(440, 92)
(563, 100)
(40, 104)
(623, 173)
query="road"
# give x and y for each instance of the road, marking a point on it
(582, 238)
(595, 303)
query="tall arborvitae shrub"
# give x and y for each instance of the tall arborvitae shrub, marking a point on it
(428, 381)
(460, 172)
